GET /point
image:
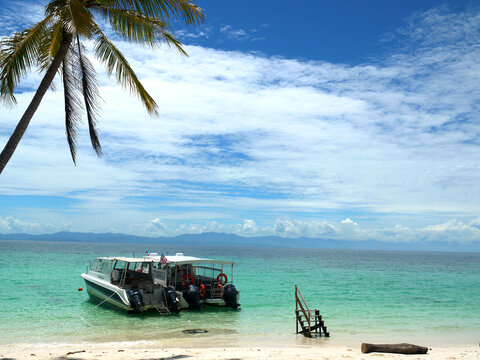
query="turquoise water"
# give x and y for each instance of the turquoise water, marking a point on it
(362, 295)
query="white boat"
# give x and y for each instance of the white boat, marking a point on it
(165, 283)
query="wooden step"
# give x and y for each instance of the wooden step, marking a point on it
(317, 326)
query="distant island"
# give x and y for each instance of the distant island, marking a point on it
(223, 239)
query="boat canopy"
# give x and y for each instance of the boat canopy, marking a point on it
(171, 259)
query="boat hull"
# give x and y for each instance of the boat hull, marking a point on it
(116, 297)
(101, 293)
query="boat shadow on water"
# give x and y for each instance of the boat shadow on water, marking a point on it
(150, 325)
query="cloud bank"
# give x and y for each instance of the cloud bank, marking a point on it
(452, 231)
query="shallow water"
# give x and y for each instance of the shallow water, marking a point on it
(362, 295)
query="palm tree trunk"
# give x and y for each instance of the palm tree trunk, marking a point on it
(37, 98)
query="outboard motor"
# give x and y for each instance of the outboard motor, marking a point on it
(192, 295)
(230, 296)
(136, 299)
(173, 304)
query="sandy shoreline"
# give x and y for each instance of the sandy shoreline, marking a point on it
(140, 351)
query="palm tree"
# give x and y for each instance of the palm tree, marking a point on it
(54, 45)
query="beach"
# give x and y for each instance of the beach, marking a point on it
(139, 351)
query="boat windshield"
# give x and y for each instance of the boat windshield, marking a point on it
(159, 274)
(141, 267)
(101, 266)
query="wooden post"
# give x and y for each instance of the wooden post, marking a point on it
(394, 348)
(296, 322)
(296, 309)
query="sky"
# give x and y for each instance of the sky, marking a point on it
(352, 120)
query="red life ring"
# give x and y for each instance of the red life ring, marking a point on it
(220, 276)
(202, 291)
(219, 290)
(190, 277)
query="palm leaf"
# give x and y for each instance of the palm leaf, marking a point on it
(82, 19)
(131, 25)
(116, 63)
(89, 89)
(18, 53)
(73, 106)
(60, 9)
(50, 45)
(75, 16)
(188, 11)
(162, 9)
(135, 27)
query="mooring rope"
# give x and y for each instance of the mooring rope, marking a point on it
(66, 320)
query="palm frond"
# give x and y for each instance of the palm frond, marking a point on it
(50, 45)
(60, 9)
(82, 19)
(136, 27)
(116, 63)
(170, 39)
(56, 8)
(18, 53)
(73, 106)
(161, 9)
(75, 16)
(91, 96)
(132, 25)
(187, 10)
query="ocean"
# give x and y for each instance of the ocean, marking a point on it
(364, 296)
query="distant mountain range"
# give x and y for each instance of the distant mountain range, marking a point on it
(222, 239)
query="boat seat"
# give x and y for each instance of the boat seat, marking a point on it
(115, 275)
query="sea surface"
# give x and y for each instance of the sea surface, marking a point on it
(364, 296)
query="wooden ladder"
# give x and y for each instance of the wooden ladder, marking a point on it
(310, 322)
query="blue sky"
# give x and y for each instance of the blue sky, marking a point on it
(329, 119)
(350, 32)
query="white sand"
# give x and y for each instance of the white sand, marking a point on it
(139, 351)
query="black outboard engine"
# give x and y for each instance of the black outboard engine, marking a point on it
(230, 296)
(136, 299)
(192, 295)
(173, 304)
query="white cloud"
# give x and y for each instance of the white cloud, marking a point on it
(242, 136)
(249, 227)
(184, 34)
(348, 221)
(159, 225)
(11, 225)
(241, 34)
